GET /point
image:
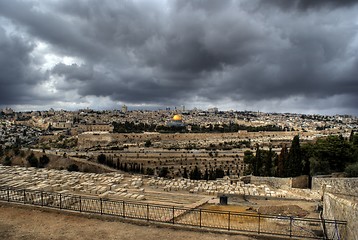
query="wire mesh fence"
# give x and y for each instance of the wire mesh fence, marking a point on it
(210, 219)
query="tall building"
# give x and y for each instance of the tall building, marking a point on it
(213, 110)
(124, 108)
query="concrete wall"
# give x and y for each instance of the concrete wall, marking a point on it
(336, 207)
(348, 186)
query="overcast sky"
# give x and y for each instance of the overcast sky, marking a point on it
(268, 55)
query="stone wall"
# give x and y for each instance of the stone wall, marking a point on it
(297, 182)
(90, 140)
(347, 186)
(336, 207)
(300, 181)
(272, 181)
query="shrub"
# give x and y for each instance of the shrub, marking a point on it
(7, 161)
(150, 171)
(163, 172)
(148, 143)
(73, 168)
(44, 160)
(32, 160)
(101, 158)
(352, 170)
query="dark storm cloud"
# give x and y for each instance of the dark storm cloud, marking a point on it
(51, 27)
(18, 80)
(306, 4)
(74, 72)
(173, 52)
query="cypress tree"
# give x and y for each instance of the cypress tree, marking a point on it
(294, 166)
(195, 174)
(185, 173)
(212, 174)
(206, 174)
(257, 165)
(282, 162)
(267, 162)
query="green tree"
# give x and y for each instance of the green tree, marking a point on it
(16, 150)
(1, 151)
(219, 173)
(282, 162)
(306, 152)
(148, 143)
(257, 164)
(319, 166)
(150, 171)
(195, 174)
(249, 159)
(163, 172)
(73, 168)
(32, 160)
(352, 137)
(294, 163)
(212, 174)
(7, 161)
(185, 173)
(267, 162)
(43, 161)
(352, 170)
(206, 174)
(335, 150)
(101, 158)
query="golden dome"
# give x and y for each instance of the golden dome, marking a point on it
(177, 118)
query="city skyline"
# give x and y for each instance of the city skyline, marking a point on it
(257, 55)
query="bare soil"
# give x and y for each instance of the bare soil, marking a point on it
(286, 210)
(295, 208)
(23, 222)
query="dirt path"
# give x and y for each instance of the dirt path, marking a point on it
(22, 222)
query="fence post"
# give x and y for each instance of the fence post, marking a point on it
(147, 212)
(173, 215)
(324, 227)
(8, 194)
(290, 226)
(101, 206)
(228, 225)
(80, 204)
(259, 227)
(24, 196)
(200, 217)
(336, 229)
(124, 209)
(60, 201)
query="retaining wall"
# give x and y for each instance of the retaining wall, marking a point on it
(341, 208)
(347, 186)
(272, 181)
(297, 182)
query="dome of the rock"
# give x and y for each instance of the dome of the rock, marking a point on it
(177, 118)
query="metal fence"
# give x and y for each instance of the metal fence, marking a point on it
(254, 223)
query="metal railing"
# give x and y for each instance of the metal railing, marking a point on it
(254, 223)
